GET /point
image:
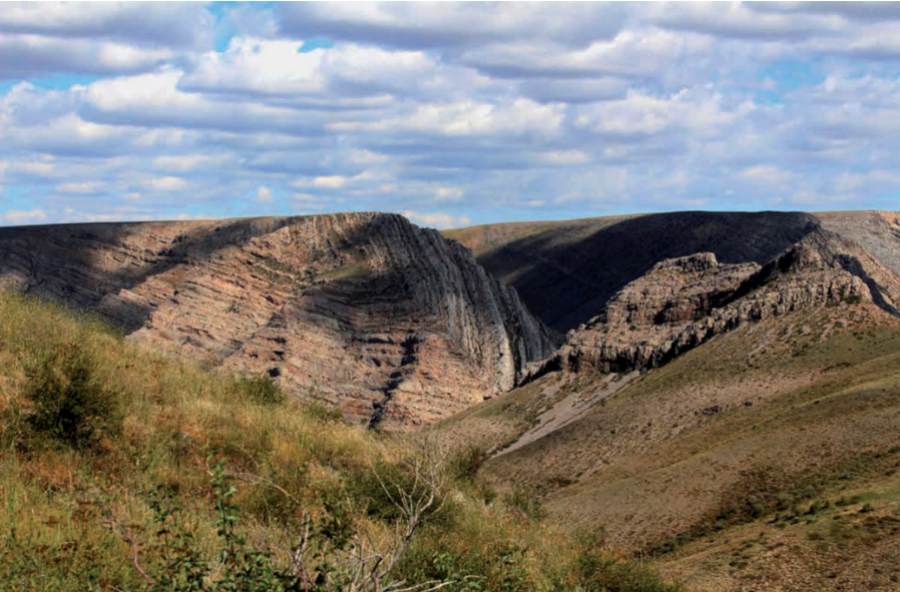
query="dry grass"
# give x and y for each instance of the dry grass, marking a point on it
(58, 496)
(711, 442)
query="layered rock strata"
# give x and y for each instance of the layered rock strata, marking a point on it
(683, 302)
(390, 322)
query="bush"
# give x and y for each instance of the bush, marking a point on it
(603, 573)
(323, 412)
(464, 465)
(527, 504)
(181, 565)
(71, 404)
(260, 390)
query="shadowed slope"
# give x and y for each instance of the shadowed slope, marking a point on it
(738, 392)
(566, 271)
(390, 322)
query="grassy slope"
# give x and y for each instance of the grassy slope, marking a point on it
(718, 439)
(60, 487)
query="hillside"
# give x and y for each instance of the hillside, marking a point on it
(389, 322)
(726, 406)
(123, 470)
(566, 271)
(712, 413)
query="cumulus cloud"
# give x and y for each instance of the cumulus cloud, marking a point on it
(741, 20)
(264, 195)
(154, 100)
(167, 184)
(23, 217)
(439, 220)
(84, 187)
(361, 76)
(495, 110)
(22, 56)
(449, 25)
(150, 23)
(469, 118)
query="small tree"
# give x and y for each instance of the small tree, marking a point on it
(338, 551)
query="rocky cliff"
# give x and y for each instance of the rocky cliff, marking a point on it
(390, 322)
(685, 301)
(567, 271)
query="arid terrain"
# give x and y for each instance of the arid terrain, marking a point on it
(736, 419)
(389, 322)
(719, 393)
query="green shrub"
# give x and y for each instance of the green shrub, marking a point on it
(182, 566)
(71, 404)
(323, 412)
(464, 465)
(600, 571)
(260, 390)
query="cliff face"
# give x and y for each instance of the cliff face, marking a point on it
(568, 271)
(390, 322)
(877, 231)
(683, 302)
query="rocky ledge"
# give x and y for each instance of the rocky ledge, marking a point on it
(390, 322)
(680, 303)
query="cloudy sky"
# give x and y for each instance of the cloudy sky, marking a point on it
(454, 114)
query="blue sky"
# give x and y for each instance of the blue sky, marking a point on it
(453, 114)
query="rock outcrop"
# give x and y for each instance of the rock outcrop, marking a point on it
(685, 301)
(877, 232)
(567, 271)
(392, 323)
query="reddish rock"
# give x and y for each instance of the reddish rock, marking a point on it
(390, 322)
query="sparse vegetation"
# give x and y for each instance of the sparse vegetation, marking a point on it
(124, 470)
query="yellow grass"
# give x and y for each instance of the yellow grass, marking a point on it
(58, 498)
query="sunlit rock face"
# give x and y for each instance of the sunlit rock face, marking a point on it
(389, 322)
(682, 302)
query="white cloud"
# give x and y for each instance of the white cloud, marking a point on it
(768, 174)
(84, 187)
(740, 20)
(323, 182)
(264, 194)
(166, 184)
(564, 157)
(451, 24)
(439, 220)
(28, 55)
(176, 24)
(187, 163)
(448, 194)
(258, 66)
(32, 168)
(21, 217)
(154, 100)
(470, 118)
(308, 201)
(421, 107)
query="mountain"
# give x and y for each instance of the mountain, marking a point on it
(681, 303)
(390, 322)
(567, 271)
(719, 392)
(736, 420)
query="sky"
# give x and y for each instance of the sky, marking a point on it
(451, 113)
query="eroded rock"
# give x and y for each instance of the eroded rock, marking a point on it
(390, 322)
(683, 302)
